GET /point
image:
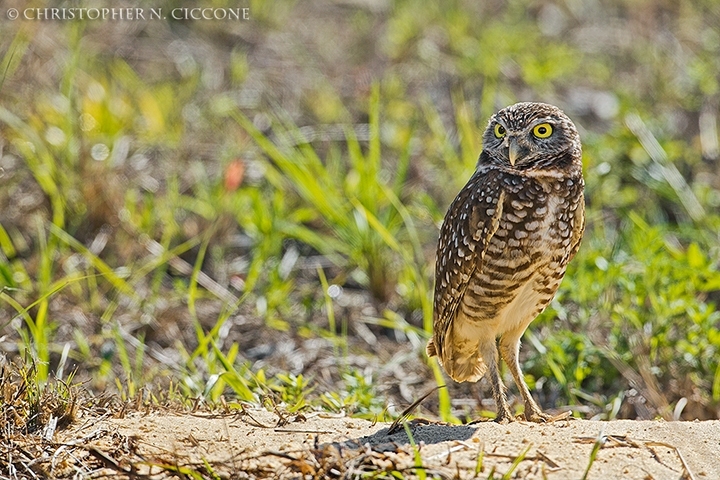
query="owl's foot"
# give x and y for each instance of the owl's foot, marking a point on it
(504, 420)
(504, 416)
(540, 417)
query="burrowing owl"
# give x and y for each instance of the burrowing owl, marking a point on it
(504, 246)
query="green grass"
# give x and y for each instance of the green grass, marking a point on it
(130, 253)
(419, 467)
(601, 439)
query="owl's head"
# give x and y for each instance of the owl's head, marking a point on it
(531, 136)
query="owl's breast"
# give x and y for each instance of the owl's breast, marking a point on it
(539, 214)
(526, 257)
(538, 218)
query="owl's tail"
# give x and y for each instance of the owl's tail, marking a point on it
(464, 368)
(431, 350)
(461, 347)
(462, 364)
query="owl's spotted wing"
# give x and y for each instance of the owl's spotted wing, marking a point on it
(470, 223)
(579, 223)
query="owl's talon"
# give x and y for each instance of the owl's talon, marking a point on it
(540, 417)
(504, 418)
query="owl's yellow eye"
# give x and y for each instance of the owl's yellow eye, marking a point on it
(544, 130)
(499, 130)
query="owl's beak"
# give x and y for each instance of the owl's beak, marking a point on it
(513, 150)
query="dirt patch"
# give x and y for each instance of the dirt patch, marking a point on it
(256, 443)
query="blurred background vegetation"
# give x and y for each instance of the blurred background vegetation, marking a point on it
(250, 208)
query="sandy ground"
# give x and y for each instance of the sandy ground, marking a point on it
(260, 444)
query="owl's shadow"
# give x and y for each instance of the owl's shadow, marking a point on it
(421, 431)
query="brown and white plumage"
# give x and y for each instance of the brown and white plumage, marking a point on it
(505, 244)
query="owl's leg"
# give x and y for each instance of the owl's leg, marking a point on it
(489, 353)
(509, 350)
